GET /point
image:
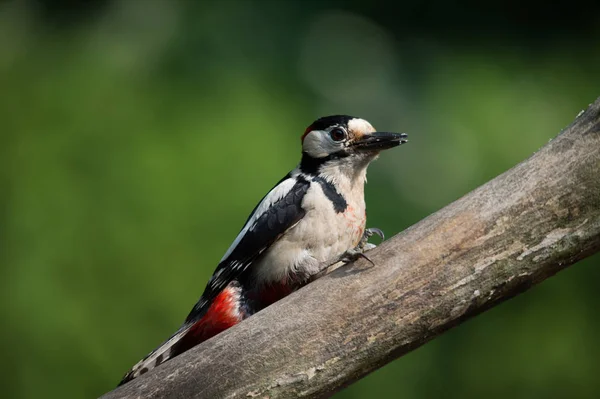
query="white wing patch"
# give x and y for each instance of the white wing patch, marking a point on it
(273, 196)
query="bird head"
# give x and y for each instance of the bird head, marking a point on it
(346, 140)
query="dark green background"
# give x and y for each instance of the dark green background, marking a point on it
(136, 136)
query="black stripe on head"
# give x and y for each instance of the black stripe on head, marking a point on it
(337, 199)
(328, 121)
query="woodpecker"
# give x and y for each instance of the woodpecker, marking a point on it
(314, 217)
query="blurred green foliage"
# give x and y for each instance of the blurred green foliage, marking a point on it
(136, 136)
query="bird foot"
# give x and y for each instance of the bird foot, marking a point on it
(364, 243)
(363, 246)
(355, 253)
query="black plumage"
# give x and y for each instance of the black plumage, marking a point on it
(337, 199)
(268, 227)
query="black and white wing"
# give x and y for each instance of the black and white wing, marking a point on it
(278, 211)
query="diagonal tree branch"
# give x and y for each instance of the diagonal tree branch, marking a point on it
(515, 231)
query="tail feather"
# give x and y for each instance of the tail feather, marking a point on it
(203, 323)
(157, 356)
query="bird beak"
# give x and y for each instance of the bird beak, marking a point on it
(378, 141)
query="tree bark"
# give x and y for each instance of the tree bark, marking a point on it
(509, 234)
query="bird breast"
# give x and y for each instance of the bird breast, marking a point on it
(322, 235)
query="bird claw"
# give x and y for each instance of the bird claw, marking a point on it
(355, 253)
(363, 246)
(370, 232)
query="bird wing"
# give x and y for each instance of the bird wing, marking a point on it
(280, 210)
(277, 212)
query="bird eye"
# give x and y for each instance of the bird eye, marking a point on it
(338, 134)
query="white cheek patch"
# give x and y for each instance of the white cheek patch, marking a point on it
(360, 126)
(317, 144)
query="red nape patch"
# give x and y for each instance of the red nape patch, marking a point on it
(222, 314)
(307, 131)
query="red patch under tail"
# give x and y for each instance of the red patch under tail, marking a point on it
(272, 293)
(224, 312)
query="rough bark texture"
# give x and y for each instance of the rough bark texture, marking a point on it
(515, 231)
